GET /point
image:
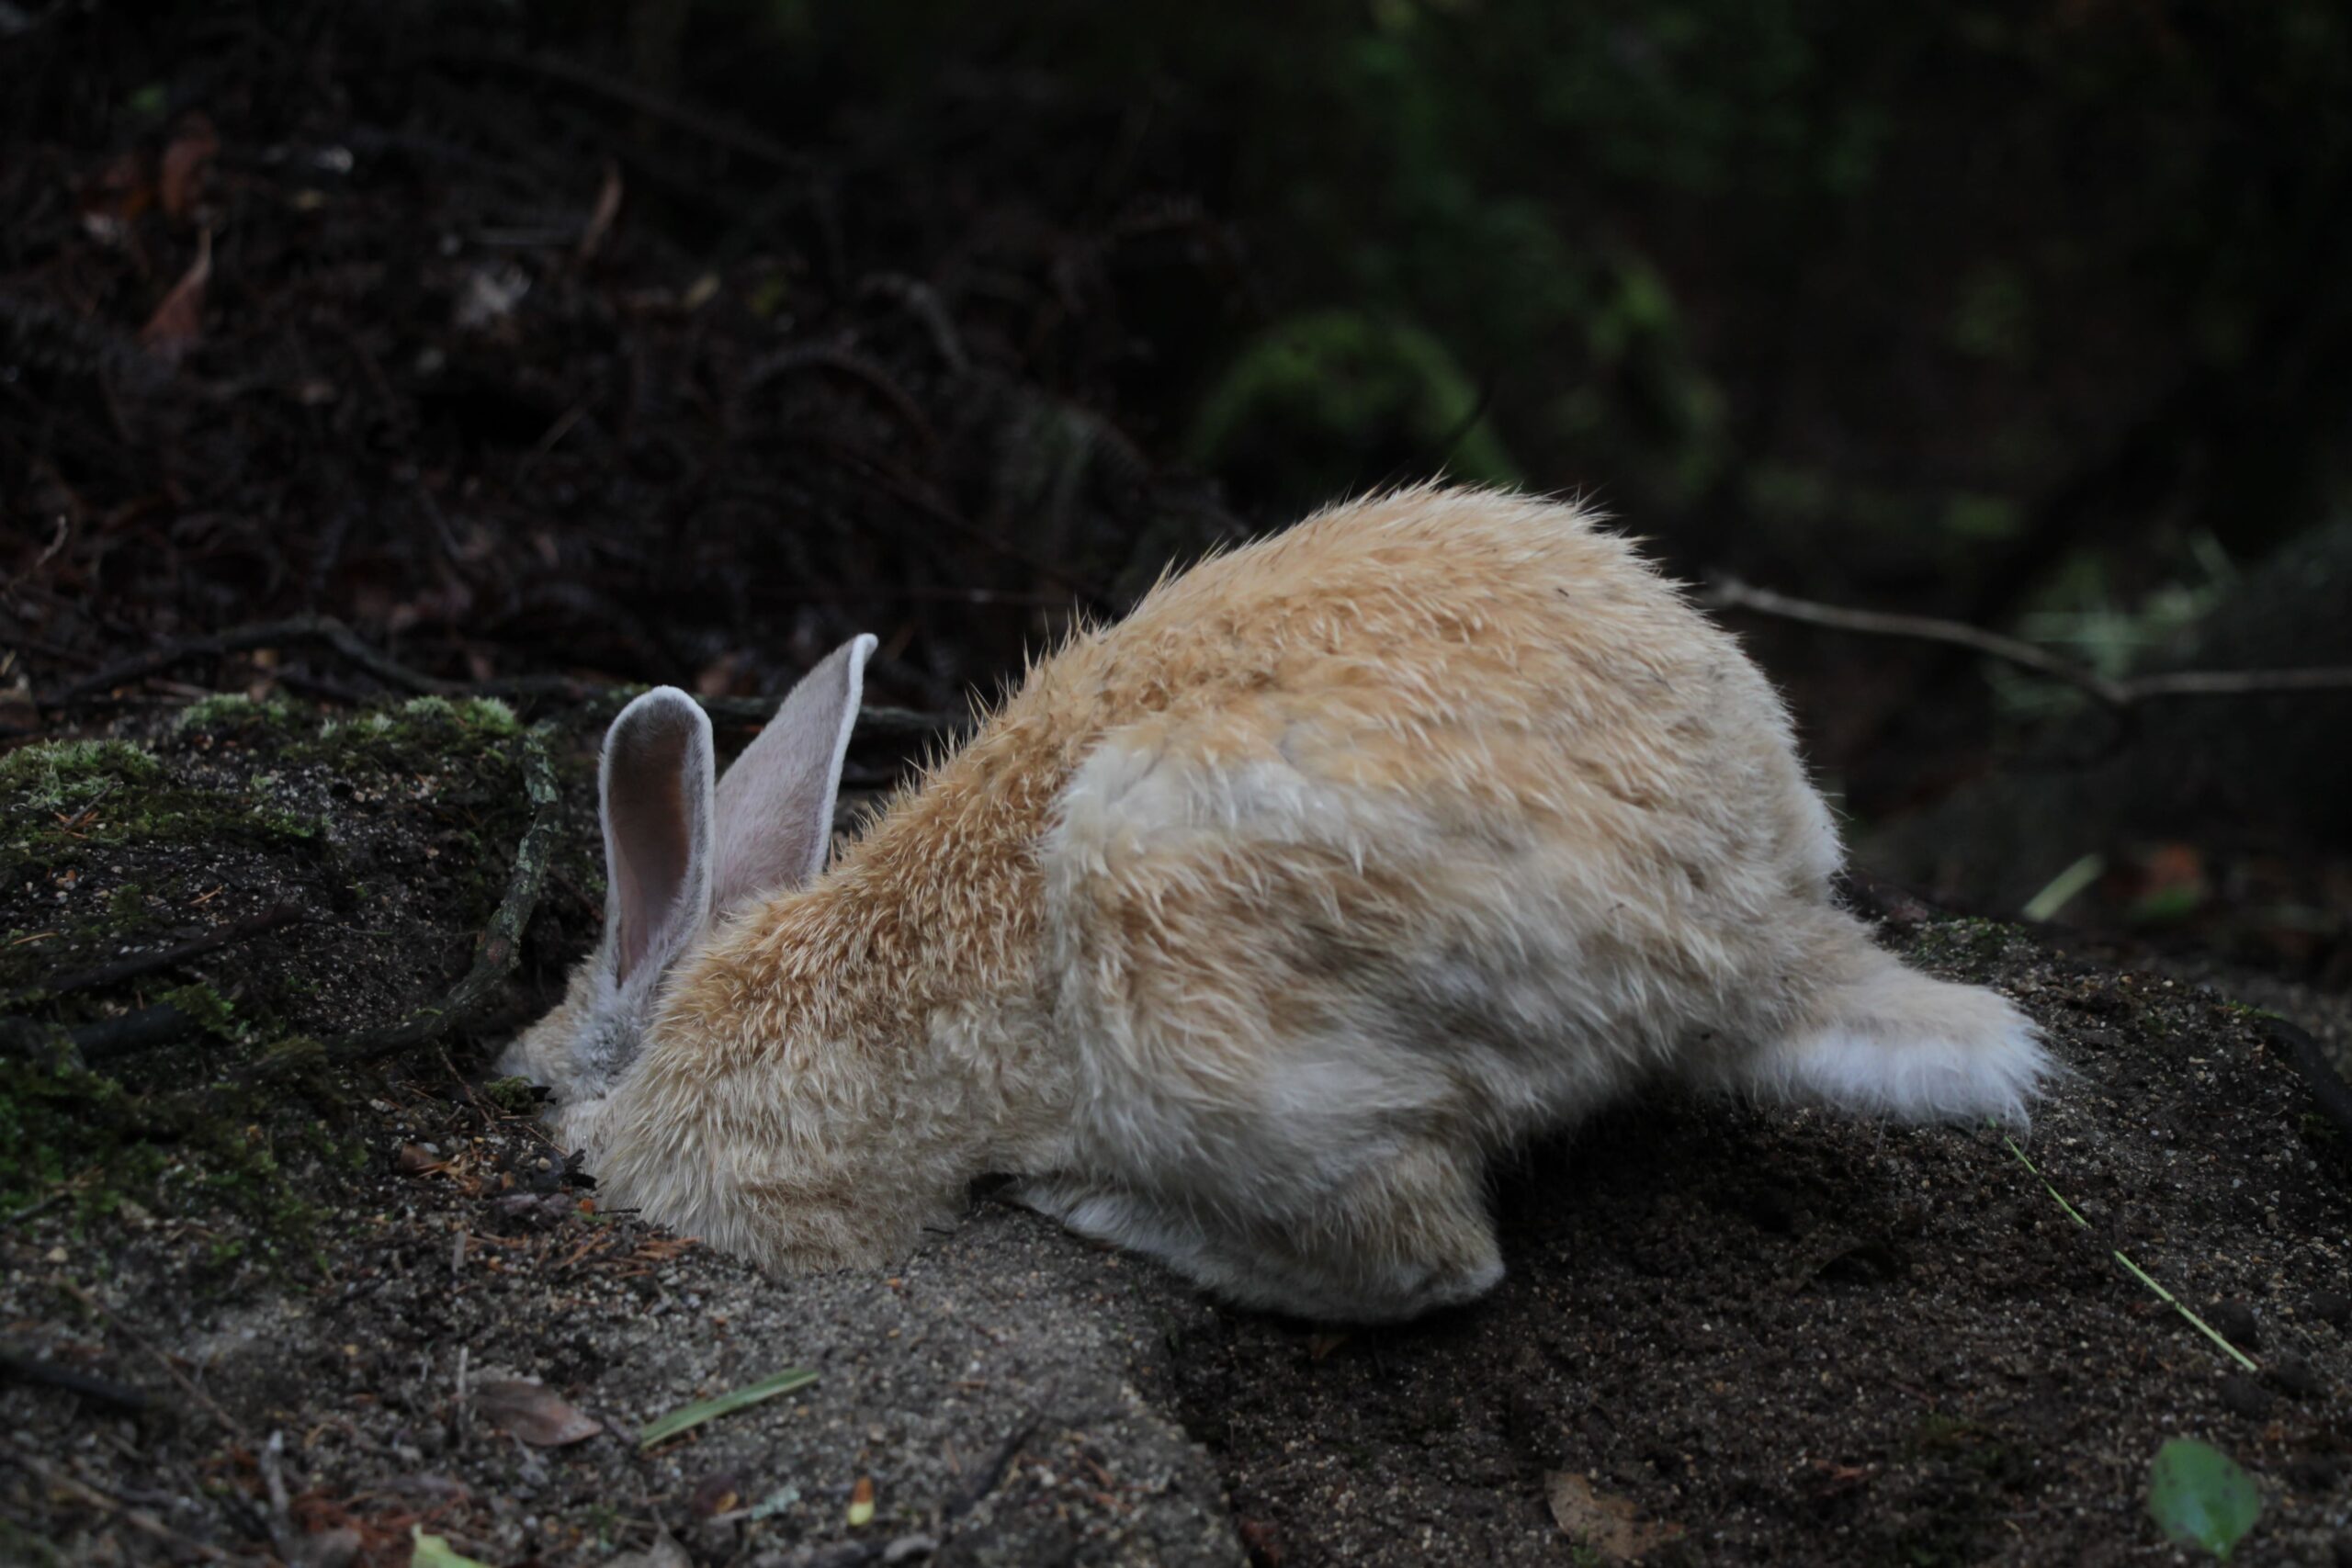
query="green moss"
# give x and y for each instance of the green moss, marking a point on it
(58, 775)
(66, 1131)
(211, 1010)
(1979, 1465)
(234, 713)
(514, 1096)
(1966, 942)
(146, 813)
(421, 734)
(58, 1123)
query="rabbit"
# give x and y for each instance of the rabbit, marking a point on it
(1249, 930)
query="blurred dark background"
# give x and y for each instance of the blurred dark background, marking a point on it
(680, 340)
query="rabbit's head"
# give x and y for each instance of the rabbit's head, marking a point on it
(684, 850)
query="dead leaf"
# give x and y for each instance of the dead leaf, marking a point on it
(534, 1413)
(1606, 1524)
(181, 179)
(178, 322)
(719, 1493)
(416, 1160)
(608, 206)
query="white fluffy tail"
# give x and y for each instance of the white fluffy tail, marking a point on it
(1887, 1041)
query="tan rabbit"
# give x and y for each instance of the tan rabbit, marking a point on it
(1249, 930)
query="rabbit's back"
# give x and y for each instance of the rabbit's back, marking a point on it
(1438, 819)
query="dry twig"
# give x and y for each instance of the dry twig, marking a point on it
(136, 1518)
(140, 964)
(871, 721)
(1730, 593)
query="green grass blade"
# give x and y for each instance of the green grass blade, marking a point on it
(2201, 1327)
(434, 1552)
(2137, 1272)
(690, 1415)
(2044, 906)
(2045, 1182)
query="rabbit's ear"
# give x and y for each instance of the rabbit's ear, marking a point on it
(655, 785)
(775, 805)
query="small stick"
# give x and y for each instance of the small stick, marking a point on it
(147, 1028)
(560, 68)
(273, 1474)
(991, 1470)
(240, 639)
(145, 1523)
(35, 1369)
(2328, 1088)
(1730, 593)
(140, 964)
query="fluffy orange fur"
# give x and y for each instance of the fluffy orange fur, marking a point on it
(1252, 927)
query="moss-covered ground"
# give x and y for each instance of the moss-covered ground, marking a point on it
(365, 849)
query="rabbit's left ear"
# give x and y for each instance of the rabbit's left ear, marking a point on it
(775, 805)
(653, 784)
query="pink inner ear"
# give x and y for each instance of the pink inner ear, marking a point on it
(656, 765)
(775, 805)
(650, 869)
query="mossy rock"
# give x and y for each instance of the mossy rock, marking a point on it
(365, 853)
(60, 775)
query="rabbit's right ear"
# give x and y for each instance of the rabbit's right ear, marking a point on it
(656, 789)
(775, 805)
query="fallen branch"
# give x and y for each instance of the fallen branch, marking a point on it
(871, 721)
(97, 1390)
(136, 1518)
(241, 639)
(145, 1028)
(140, 964)
(1730, 593)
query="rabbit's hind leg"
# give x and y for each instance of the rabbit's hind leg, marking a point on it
(1402, 1238)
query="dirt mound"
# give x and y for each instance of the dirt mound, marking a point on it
(263, 1303)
